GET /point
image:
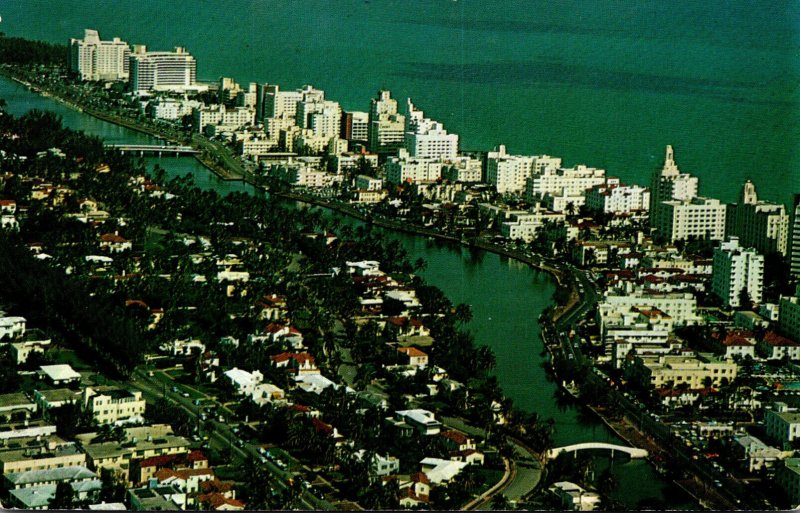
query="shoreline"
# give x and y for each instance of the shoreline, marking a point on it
(557, 274)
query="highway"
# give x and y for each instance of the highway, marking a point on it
(223, 437)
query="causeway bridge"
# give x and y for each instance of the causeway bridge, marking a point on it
(154, 149)
(633, 452)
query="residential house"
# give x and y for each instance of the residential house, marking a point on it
(776, 347)
(271, 307)
(59, 375)
(142, 470)
(441, 471)
(114, 243)
(167, 498)
(414, 357)
(183, 347)
(422, 420)
(300, 363)
(56, 398)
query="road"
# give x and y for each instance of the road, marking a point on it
(222, 437)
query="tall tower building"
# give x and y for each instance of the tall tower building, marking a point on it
(162, 70)
(669, 184)
(426, 138)
(736, 269)
(795, 253)
(759, 224)
(94, 59)
(386, 127)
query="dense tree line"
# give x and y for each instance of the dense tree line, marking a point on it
(19, 51)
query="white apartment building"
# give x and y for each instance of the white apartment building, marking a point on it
(524, 224)
(428, 139)
(220, 115)
(368, 183)
(405, 168)
(463, 169)
(660, 370)
(618, 199)
(110, 405)
(669, 184)
(160, 71)
(171, 109)
(322, 117)
(94, 59)
(355, 126)
(759, 224)
(275, 103)
(702, 218)
(508, 173)
(386, 126)
(680, 306)
(735, 269)
(564, 182)
(255, 147)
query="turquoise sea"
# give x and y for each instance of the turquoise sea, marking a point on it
(606, 83)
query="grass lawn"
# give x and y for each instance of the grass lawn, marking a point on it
(69, 357)
(491, 477)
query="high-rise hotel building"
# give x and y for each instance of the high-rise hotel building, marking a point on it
(162, 70)
(94, 59)
(669, 184)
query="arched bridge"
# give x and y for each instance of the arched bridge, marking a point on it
(154, 149)
(632, 451)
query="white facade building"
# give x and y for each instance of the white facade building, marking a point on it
(94, 59)
(162, 71)
(737, 269)
(759, 224)
(702, 218)
(508, 173)
(573, 181)
(618, 199)
(669, 184)
(386, 126)
(428, 139)
(220, 115)
(405, 167)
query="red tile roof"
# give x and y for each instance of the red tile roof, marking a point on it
(775, 340)
(455, 436)
(412, 352)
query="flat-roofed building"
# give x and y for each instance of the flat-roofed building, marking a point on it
(140, 442)
(150, 71)
(94, 59)
(24, 455)
(110, 405)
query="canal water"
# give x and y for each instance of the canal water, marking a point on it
(506, 297)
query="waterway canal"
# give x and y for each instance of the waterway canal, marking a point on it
(506, 297)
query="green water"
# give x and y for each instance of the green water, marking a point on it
(606, 83)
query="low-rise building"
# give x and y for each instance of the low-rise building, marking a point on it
(112, 405)
(422, 420)
(782, 424)
(696, 371)
(753, 454)
(59, 375)
(573, 497)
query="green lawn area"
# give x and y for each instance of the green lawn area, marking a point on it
(490, 476)
(68, 356)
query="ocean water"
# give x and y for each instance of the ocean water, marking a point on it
(608, 84)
